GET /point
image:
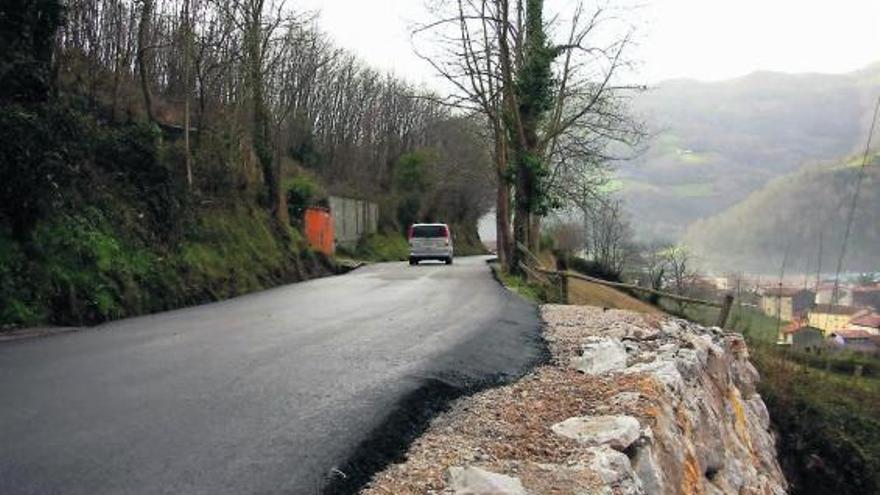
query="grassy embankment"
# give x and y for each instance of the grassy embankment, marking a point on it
(83, 268)
(100, 223)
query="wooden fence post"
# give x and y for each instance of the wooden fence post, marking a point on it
(725, 310)
(563, 287)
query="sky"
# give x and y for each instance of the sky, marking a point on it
(698, 39)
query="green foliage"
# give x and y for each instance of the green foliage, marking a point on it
(828, 425)
(828, 421)
(18, 302)
(534, 80)
(303, 191)
(234, 252)
(411, 172)
(96, 223)
(541, 200)
(83, 270)
(532, 292)
(44, 151)
(87, 273)
(412, 180)
(408, 209)
(389, 246)
(592, 269)
(27, 35)
(146, 170)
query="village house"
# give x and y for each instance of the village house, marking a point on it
(786, 303)
(825, 294)
(801, 336)
(867, 297)
(831, 317)
(866, 320)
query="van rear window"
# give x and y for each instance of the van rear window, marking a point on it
(429, 231)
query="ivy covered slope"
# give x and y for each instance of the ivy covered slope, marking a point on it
(98, 223)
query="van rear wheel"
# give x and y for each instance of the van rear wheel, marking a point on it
(413, 262)
(449, 260)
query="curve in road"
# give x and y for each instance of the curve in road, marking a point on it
(265, 393)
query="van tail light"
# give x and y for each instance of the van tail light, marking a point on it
(446, 235)
(409, 233)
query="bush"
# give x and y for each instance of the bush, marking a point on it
(45, 150)
(303, 192)
(829, 432)
(592, 269)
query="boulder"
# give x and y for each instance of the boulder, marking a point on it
(615, 470)
(618, 432)
(600, 356)
(472, 480)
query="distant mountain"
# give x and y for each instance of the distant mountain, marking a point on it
(716, 142)
(791, 214)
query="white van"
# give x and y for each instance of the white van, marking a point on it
(430, 241)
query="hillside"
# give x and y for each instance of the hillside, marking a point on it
(128, 186)
(792, 212)
(713, 143)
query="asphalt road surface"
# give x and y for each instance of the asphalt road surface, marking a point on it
(265, 393)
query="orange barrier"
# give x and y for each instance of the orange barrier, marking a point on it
(319, 230)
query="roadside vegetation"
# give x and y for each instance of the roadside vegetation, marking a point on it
(162, 154)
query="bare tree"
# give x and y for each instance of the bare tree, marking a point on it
(143, 55)
(468, 34)
(680, 272)
(608, 235)
(553, 106)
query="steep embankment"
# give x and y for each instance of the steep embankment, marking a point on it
(791, 214)
(97, 222)
(631, 404)
(714, 143)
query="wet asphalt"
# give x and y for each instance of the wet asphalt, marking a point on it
(273, 392)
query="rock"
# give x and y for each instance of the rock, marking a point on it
(600, 356)
(616, 471)
(625, 399)
(618, 432)
(666, 371)
(472, 480)
(647, 469)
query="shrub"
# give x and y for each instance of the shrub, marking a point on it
(303, 191)
(593, 269)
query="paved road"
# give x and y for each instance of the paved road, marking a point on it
(264, 393)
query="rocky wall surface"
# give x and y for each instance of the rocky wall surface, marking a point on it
(630, 404)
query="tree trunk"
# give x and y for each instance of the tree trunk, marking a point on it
(502, 204)
(282, 216)
(534, 232)
(186, 87)
(527, 105)
(522, 208)
(142, 58)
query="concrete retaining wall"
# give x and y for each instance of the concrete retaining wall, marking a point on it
(353, 219)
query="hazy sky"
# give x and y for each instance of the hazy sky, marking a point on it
(702, 39)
